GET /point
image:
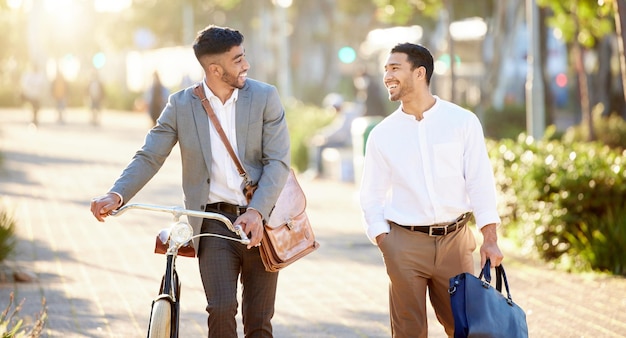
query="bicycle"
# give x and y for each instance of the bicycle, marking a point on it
(165, 312)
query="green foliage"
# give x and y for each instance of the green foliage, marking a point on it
(402, 12)
(118, 98)
(609, 130)
(7, 236)
(584, 20)
(507, 123)
(304, 121)
(11, 326)
(599, 243)
(564, 199)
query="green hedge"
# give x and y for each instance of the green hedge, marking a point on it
(609, 130)
(303, 121)
(8, 241)
(506, 123)
(565, 199)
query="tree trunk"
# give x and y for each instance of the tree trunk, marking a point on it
(450, 9)
(602, 88)
(620, 24)
(548, 94)
(583, 89)
(494, 37)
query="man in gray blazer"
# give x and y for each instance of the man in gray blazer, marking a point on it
(252, 116)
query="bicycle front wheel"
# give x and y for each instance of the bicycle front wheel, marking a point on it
(161, 319)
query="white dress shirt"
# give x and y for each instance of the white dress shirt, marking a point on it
(226, 184)
(426, 172)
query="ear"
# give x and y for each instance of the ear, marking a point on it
(420, 73)
(215, 70)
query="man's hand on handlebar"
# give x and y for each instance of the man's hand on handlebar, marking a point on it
(102, 206)
(252, 225)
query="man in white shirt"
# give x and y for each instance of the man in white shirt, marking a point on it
(426, 171)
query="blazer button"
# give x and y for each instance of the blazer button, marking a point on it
(208, 180)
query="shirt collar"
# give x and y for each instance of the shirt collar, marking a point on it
(433, 108)
(426, 113)
(209, 94)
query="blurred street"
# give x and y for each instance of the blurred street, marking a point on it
(99, 279)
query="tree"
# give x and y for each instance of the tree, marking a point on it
(503, 24)
(620, 24)
(582, 23)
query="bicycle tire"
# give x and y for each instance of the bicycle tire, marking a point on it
(160, 320)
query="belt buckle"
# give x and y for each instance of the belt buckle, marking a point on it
(431, 228)
(234, 209)
(228, 208)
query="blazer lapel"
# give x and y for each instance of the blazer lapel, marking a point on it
(202, 125)
(242, 118)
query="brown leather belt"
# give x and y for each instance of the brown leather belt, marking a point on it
(438, 229)
(226, 208)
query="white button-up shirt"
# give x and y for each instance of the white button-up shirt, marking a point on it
(426, 172)
(226, 184)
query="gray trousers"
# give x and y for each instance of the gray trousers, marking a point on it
(221, 264)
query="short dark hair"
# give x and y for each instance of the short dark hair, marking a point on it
(216, 40)
(418, 56)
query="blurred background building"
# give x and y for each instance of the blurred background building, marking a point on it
(308, 48)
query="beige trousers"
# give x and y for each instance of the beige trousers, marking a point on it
(417, 263)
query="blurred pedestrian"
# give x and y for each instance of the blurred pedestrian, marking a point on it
(186, 81)
(336, 135)
(156, 97)
(253, 120)
(59, 94)
(95, 93)
(33, 84)
(426, 171)
(369, 93)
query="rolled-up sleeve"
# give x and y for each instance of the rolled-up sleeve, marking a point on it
(375, 185)
(480, 184)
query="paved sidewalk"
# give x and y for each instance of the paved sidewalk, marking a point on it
(99, 278)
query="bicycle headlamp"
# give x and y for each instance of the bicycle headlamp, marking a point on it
(181, 232)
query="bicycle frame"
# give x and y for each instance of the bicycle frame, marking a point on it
(164, 316)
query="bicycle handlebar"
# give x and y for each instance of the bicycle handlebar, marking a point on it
(178, 211)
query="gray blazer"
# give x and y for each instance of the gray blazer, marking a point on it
(262, 143)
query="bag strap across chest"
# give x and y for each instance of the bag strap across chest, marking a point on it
(199, 90)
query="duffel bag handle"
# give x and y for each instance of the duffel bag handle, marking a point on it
(500, 277)
(486, 272)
